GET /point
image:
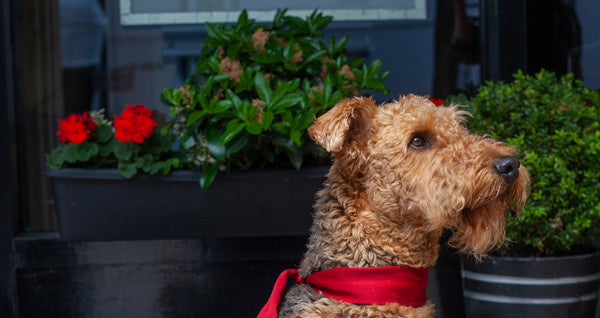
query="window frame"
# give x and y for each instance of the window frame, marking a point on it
(418, 11)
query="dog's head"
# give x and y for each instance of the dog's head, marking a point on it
(414, 161)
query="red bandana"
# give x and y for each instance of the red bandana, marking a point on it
(402, 285)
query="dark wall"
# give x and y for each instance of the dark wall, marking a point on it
(7, 277)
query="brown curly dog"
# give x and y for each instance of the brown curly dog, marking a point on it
(402, 173)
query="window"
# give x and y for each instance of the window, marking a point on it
(76, 55)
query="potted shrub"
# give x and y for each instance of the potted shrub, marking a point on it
(547, 266)
(247, 105)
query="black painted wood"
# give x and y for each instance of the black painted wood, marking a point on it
(161, 278)
(503, 38)
(7, 268)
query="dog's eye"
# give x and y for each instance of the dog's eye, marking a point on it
(419, 142)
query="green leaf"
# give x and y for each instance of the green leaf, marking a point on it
(170, 163)
(51, 163)
(279, 18)
(327, 88)
(374, 67)
(202, 99)
(103, 133)
(210, 30)
(106, 150)
(335, 98)
(254, 128)
(283, 141)
(194, 117)
(243, 19)
(210, 81)
(340, 45)
(287, 102)
(125, 150)
(237, 102)
(127, 169)
(70, 153)
(85, 151)
(220, 77)
(266, 58)
(267, 119)
(56, 158)
(365, 76)
(305, 119)
(248, 112)
(262, 88)
(222, 106)
(164, 130)
(236, 144)
(213, 143)
(233, 49)
(287, 51)
(233, 128)
(295, 156)
(292, 67)
(313, 57)
(283, 89)
(170, 97)
(215, 31)
(296, 136)
(208, 176)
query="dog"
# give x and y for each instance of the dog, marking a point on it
(402, 173)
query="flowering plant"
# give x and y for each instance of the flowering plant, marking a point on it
(256, 89)
(130, 144)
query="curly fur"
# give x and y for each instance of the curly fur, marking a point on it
(386, 203)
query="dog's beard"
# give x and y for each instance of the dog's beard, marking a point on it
(480, 225)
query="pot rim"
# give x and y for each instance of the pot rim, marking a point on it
(183, 174)
(596, 253)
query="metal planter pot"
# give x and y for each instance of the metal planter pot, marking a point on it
(532, 287)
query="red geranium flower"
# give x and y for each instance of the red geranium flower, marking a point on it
(75, 128)
(436, 102)
(134, 124)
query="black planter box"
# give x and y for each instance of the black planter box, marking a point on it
(99, 204)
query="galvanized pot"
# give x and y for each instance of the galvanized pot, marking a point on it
(532, 287)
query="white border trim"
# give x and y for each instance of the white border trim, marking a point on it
(492, 298)
(513, 280)
(419, 12)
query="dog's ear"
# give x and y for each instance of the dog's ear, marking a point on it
(347, 122)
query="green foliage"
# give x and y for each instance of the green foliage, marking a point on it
(555, 123)
(103, 150)
(256, 89)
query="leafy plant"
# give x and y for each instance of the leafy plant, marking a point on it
(256, 89)
(131, 144)
(555, 122)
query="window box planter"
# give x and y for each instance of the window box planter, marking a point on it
(99, 204)
(532, 287)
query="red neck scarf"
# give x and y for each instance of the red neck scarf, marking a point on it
(402, 285)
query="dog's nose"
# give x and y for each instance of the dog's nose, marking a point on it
(507, 167)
